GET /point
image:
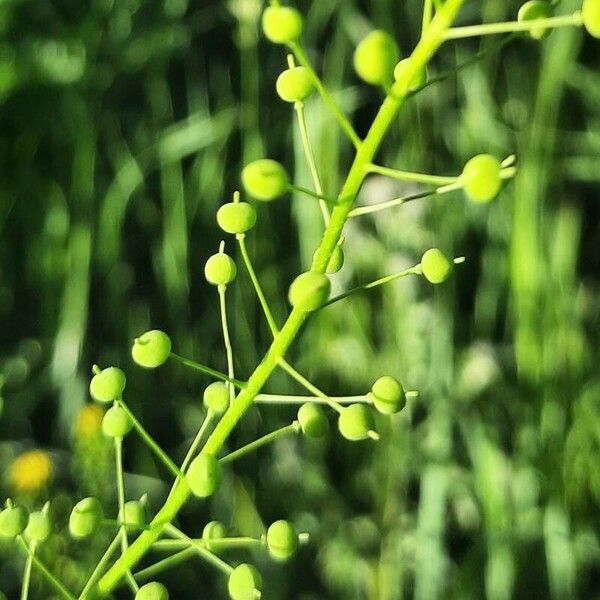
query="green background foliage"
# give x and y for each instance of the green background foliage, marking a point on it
(124, 125)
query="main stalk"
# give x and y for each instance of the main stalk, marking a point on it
(431, 40)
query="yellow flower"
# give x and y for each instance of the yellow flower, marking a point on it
(30, 472)
(89, 422)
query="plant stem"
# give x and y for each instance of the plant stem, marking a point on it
(310, 158)
(112, 548)
(416, 270)
(151, 443)
(365, 154)
(188, 362)
(455, 33)
(261, 441)
(427, 15)
(413, 177)
(206, 423)
(241, 238)
(166, 563)
(309, 385)
(52, 580)
(319, 197)
(227, 340)
(325, 94)
(218, 544)
(285, 399)
(121, 500)
(27, 573)
(207, 555)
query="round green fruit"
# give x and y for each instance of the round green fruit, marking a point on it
(236, 217)
(282, 540)
(204, 475)
(213, 530)
(295, 84)
(40, 526)
(387, 395)
(152, 591)
(108, 384)
(265, 179)
(591, 17)
(13, 521)
(216, 397)
(481, 178)
(134, 516)
(355, 422)
(152, 349)
(85, 517)
(436, 266)
(312, 419)
(116, 422)
(375, 58)
(282, 24)
(220, 269)
(309, 291)
(244, 579)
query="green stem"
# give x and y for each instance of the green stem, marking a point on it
(227, 340)
(112, 548)
(365, 154)
(241, 238)
(285, 399)
(309, 385)
(367, 210)
(121, 501)
(207, 555)
(412, 177)
(261, 441)
(310, 159)
(455, 33)
(165, 563)
(207, 370)
(52, 580)
(325, 94)
(427, 15)
(206, 423)
(27, 573)
(217, 544)
(319, 197)
(151, 443)
(416, 270)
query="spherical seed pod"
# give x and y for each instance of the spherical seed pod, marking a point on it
(86, 517)
(532, 10)
(204, 475)
(481, 178)
(295, 84)
(116, 422)
(375, 58)
(13, 521)
(436, 266)
(213, 530)
(355, 422)
(282, 24)
(134, 516)
(220, 269)
(265, 179)
(236, 217)
(591, 17)
(40, 526)
(309, 291)
(419, 80)
(151, 349)
(108, 384)
(152, 591)
(387, 395)
(312, 419)
(216, 397)
(282, 540)
(244, 579)
(336, 262)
